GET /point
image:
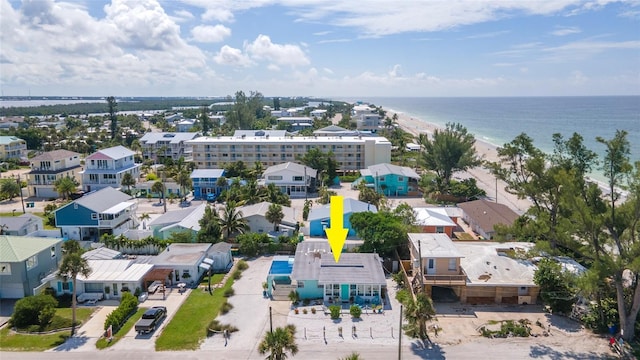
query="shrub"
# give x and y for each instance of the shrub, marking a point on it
(27, 310)
(313, 310)
(355, 311)
(335, 311)
(229, 292)
(128, 306)
(216, 327)
(293, 296)
(242, 265)
(226, 307)
(305, 311)
(46, 315)
(237, 274)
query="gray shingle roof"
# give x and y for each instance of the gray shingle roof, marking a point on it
(54, 155)
(117, 152)
(295, 167)
(350, 206)
(387, 169)
(15, 223)
(487, 214)
(262, 208)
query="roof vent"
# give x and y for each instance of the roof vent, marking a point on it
(259, 133)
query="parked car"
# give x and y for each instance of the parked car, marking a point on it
(150, 319)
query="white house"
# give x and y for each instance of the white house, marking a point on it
(50, 166)
(293, 179)
(106, 167)
(22, 225)
(255, 215)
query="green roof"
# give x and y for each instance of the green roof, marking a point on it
(20, 248)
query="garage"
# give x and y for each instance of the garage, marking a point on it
(11, 291)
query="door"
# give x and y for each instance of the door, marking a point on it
(344, 292)
(431, 266)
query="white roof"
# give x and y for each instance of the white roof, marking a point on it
(295, 167)
(484, 265)
(386, 169)
(173, 137)
(433, 216)
(117, 152)
(207, 173)
(262, 208)
(118, 208)
(116, 270)
(434, 245)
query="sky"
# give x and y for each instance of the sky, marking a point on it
(321, 48)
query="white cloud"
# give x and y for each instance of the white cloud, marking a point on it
(578, 78)
(182, 15)
(210, 34)
(488, 35)
(232, 56)
(322, 33)
(565, 30)
(328, 71)
(263, 49)
(396, 71)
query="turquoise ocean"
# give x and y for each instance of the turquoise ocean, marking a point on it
(498, 120)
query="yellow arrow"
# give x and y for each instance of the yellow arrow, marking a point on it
(336, 234)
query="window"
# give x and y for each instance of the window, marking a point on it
(440, 229)
(32, 262)
(400, 178)
(274, 177)
(298, 178)
(300, 284)
(94, 216)
(453, 264)
(65, 285)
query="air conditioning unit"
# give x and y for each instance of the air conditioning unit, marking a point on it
(524, 300)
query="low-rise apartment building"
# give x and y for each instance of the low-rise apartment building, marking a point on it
(352, 153)
(12, 148)
(159, 146)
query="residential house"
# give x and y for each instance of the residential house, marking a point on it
(483, 215)
(296, 123)
(437, 260)
(22, 225)
(50, 166)
(106, 211)
(178, 221)
(337, 131)
(205, 182)
(220, 258)
(435, 220)
(24, 261)
(357, 277)
(159, 146)
(118, 275)
(318, 113)
(184, 260)
(255, 215)
(319, 217)
(366, 117)
(272, 148)
(106, 167)
(494, 276)
(293, 179)
(185, 125)
(13, 148)
(171, 189)
(391, 180)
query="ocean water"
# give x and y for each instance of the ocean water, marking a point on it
(498, 120)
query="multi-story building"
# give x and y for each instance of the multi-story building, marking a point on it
(106, 167)
(352, 153)
(160, 145)
(12, 147)
(367, 118)
(50, 166)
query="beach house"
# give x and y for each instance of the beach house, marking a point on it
(255, 215)
(391, 180)
(50, 166)
(13, 148)
(158, 146)
(106, 167)
(483, 215)
(181, 220)
(293, 179)
(205, 183)
(319, 217)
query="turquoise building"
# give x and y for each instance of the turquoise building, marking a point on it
(390, 180)
(319, 218)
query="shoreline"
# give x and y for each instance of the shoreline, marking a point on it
(485, 150)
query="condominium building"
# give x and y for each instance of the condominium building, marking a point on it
(161, 145)
(352, 153)
(106, 167)
(12, 147)
(50, 166)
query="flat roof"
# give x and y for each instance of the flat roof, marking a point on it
(486, 266)
(434, 245)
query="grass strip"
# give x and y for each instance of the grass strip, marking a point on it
(103, 343)
(188, 327)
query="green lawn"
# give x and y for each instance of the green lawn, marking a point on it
(215, 278)
(103, 343)
(10, 341)
(188, 328)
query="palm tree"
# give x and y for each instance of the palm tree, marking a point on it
(128, 180)
(257, 170)
(158, 187)
(183, 179)
(66, 186)
(9, 188)
(418, 311)
(73, 264)
(251, 194)
(353, 355)
(274, 215)
(232, 220)
(278, 343)
(144, 217)
(210, 229)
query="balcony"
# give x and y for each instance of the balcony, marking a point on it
(459, 279)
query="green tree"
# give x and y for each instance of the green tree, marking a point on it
(205, 121)
(144, 217)
(382, 232)
(113, 109)
(251, 194)
(128, 180)
(27, 310)
(65, 186)
(417, 312)
(449, 150)
(306, 209)
(250, 244)
(210, 226)
(73, 264)
(278, 343)
(9, 188)
(183, 179)
(158, 187)
(232, 220)
(555, 285)
(272, 194)
(185, 236)
(274, 215)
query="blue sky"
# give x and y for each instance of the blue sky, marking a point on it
(320, 48)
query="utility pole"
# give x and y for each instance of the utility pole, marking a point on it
(496, 189)
(20, 190)
(400, 336)
(270, 320)
(421, 268)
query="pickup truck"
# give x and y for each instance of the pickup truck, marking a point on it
(150, 319)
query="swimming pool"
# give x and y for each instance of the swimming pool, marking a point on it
(281, 266)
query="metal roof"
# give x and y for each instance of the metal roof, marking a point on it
(102, 199)
(434, 245)
(295, 167)
(207, 173)
(116, 270)
(389, 169)
(116, 152)
(432, 216)
(350, 206)
(20, 248)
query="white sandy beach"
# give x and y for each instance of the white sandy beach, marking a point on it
(483, 176)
